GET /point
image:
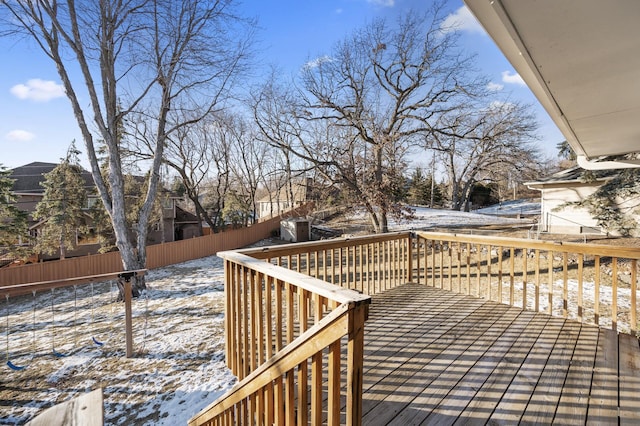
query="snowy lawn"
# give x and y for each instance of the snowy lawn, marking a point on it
(178, 367)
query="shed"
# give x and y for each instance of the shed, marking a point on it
(295, 230)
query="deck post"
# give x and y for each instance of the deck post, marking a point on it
(355, 359)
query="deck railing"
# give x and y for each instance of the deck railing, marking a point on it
(295, 313)
(295, 328)
(588, 282)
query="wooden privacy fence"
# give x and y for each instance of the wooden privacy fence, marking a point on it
(591, 283)
(158, 255)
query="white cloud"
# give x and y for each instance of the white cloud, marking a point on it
(508, 77)
(461, 20)
(19, 136)
(494, 87)
(314, 63)
(38, 90)
(386, 3)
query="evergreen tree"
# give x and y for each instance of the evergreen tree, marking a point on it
(606, 206)
(420, 189)
(62, 206)
(13, 221)
(236, 210)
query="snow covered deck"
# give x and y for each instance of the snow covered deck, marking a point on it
(435, 357)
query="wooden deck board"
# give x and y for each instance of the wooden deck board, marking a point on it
(467, 390)
(603, 399)
(434, 357)
(629, 380)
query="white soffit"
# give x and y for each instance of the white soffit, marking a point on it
(581, 58)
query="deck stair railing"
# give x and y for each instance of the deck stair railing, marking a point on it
(295, 326)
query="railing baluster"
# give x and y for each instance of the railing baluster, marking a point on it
(269, 315)
(500, 251)
(479, 269)
(512, 276)
(634, 290)
(279, 314)
(596, 290)
(289, 398)
(614, 295)
(303, 373)
(550, 266)
(525, 277)
(278, 401)
(536, 306)
(565, 285)
(245, 325)
(441, 264)
(459, 248)
(489, 277)
(333, 409)
(468, 268)
(580, 286)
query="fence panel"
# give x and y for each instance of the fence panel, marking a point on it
(158, 255)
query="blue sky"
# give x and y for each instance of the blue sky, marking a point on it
(37, 123)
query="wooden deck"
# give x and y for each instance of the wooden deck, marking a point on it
(434, 357)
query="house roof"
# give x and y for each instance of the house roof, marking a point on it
(572, 176)
(581, 59)
(27, 178)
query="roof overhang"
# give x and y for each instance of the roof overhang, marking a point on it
(581, 59)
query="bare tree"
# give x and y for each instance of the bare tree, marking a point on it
(200, 154)
(481, 142)
(378, 90)
(248, 166)
(137, 59)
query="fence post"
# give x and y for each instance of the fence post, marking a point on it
(128, 323)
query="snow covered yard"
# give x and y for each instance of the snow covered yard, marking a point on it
(178, 366)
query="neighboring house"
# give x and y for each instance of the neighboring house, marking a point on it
(279, 201)
(177, 223)
(568, 186)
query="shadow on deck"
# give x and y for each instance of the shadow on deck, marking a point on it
(435, 357)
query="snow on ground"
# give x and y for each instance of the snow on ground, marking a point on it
(178, 367)
(425, 218)
(527, 207)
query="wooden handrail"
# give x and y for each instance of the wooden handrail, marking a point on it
(559, 246)
(305, 282)
(306, 247)
(485, 266)
(327, 331)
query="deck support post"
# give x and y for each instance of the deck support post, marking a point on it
(355, 360)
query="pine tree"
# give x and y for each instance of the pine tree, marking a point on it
(62, 206)
(420, 189)
(13, 221)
